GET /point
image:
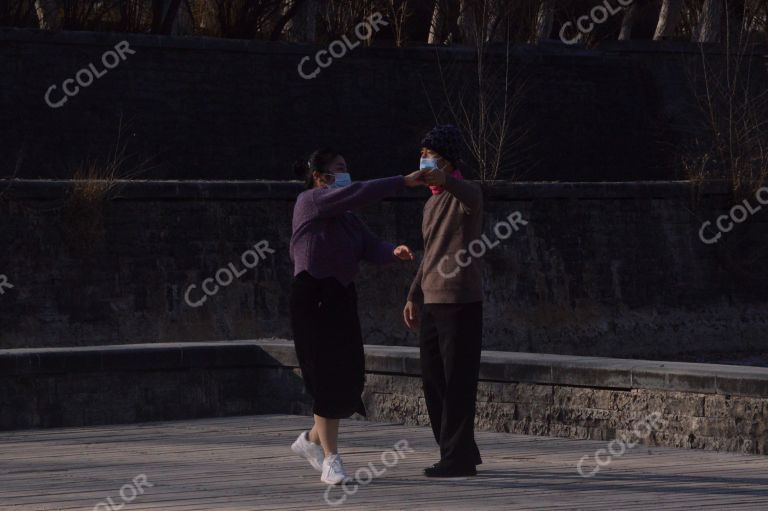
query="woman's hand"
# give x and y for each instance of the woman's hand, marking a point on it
(404, 253)
(411, 315)
(415, 179)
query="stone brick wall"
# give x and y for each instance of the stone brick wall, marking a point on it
(699, 406)
(199, 108)
(602, 270)
(134, 383)
(691, 420)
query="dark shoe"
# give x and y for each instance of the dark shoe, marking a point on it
(441, 470)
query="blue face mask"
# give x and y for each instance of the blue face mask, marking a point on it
(342, 179)
(427, 163)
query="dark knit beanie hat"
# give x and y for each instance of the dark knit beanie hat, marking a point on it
(445, 140)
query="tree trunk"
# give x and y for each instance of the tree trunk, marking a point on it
(164, 15)
(497, 14)
(628, 21)
(298, 21)
(436, 24)
(759, 15)
(170, 10)
(544, 20)
(307, 17)
(48, 15)
(669, 17)
(737, 20)
(185, 23)
(709, 23)
(466, 22)
(209, 18)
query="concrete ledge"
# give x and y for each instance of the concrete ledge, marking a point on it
(496, 366)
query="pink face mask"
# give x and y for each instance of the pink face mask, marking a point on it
(437, 190)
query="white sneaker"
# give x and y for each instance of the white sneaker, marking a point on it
(309, 450)
(333, 470)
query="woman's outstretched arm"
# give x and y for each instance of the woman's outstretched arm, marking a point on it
(335, 201)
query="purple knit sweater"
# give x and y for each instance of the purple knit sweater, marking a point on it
(329, 240)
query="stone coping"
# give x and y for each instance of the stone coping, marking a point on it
(499, 366)
(238, 190)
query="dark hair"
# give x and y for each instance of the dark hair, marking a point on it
(318, 161)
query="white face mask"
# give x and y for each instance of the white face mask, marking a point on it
(342, 179)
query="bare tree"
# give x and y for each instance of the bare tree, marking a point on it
(710, 21)
(340, 16)
(544, 20)
(756, 16)
(737, 15)
(461, 21)
(48, 14)
(243, 19)
(206, 11)
(130, 16)
(483, 105)
(185, 20)
(484, 21)
(730, 134)
(397, 12)
(467, 23)
(436, 23)
(285, 16)
(164, 16)
(628, 21)
(495, 14)
(302, 25)
(669, 17)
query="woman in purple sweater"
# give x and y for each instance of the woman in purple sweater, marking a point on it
(327, 244)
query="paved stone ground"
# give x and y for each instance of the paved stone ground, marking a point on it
(244, 463)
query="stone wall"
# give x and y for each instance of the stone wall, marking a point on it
(600, 269)
(43, 388)
(691, 420)
(700, 406)
(200, 108)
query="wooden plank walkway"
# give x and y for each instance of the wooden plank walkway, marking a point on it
(244, 463)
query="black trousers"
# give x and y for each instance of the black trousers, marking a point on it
(329, 344)
(450, 343)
